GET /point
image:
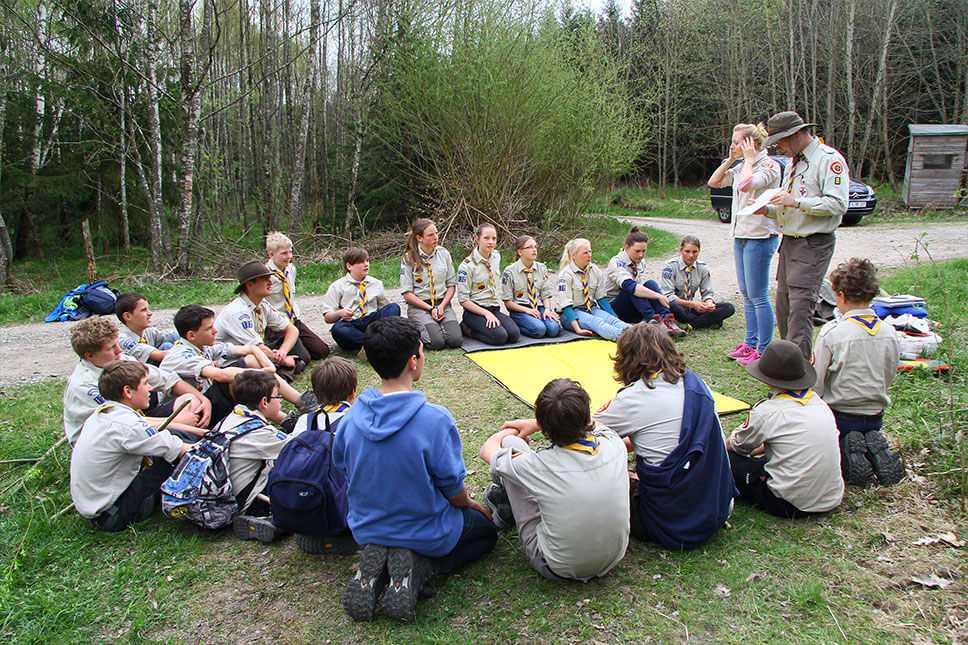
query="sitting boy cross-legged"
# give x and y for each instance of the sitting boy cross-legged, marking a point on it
(405, 482)
(570, 500)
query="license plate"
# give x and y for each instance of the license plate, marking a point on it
(856, 204)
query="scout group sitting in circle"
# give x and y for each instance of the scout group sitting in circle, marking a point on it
(420, 521)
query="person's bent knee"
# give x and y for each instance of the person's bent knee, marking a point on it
(392, 309)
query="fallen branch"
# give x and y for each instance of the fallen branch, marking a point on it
(30, 470)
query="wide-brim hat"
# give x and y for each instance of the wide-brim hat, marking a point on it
(782, 365)
(782, 125)
(250, 271)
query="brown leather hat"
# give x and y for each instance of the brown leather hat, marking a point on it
(782, 365)
(782, 124)
(250, 271)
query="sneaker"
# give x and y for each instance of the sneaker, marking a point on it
(749, 358)
(361, 354)
(249, 527)
(363, 588)
(887, 466)
(657, 320)
(496, 499)
(408, 573)
(740, 351)
(342, 544)
(308, 402)
(669, 320)
(853, 459)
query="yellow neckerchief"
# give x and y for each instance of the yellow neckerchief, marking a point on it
(427, 262)
(633, 266)
(589, 444)
(687, 269)
(258, 317)
(286, 294)
(243, 411)
(142, 340)
(583, 276)
(868, 322)
(800, 396)
(103, 407)
(336, 407)
(362, 289)
(532, 292)
(183, 342)
(487, 265)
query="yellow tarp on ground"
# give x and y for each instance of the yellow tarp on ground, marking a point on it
(525, 370)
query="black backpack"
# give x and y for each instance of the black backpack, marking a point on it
(307, 494)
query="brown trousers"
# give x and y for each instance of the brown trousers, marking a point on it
(316, 346)
(802, 267)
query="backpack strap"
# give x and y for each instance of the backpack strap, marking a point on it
(312, 424)
(244, 429)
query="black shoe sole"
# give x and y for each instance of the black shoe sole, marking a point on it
(326, 544)
(887, 466)
(857, 468)
(363, 589)
(408, 573)
(254, 528)
(496, 499)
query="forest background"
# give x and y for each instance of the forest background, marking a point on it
(185, 126)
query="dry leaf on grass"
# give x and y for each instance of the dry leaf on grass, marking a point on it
(756, 576)
(948, 538)
(931, 581)
(722, 591)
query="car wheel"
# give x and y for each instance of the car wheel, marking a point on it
(851, 219)
(725, 215)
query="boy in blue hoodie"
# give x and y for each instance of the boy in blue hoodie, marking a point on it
(404, 469)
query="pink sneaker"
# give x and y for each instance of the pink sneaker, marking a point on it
(749, 358)
(740, 351)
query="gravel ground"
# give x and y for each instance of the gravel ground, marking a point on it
(38, 351)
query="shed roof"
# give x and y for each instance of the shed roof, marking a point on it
(937, 130)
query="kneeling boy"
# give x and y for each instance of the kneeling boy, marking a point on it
(570, 501)
(355, 300)
(119, 461)
(405, 482)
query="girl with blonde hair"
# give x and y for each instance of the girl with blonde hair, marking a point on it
(582, 296)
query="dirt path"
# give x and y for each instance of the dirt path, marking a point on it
(38, 351)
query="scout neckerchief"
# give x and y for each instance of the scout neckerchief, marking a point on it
(870, 323)
(688, 271)
(258, 316)
(242, 411)
(633, 267)
(487, 265)
(800, 396)
(797, 158)
(427, 262)
(583, 275)
(286, 294)
(532, 292)
(142, 340)
(362, 289)
(589, 444)
(336, 407)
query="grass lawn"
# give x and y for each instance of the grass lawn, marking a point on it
(843, 577)
(693, 202)
(38, 285)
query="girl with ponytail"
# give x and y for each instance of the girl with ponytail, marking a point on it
(428, 281)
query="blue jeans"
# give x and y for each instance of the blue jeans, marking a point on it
(633, 309)
(534, 328)
(477, 539)
(753, 258)
(348, 334)
(862, 423)
(601, 322)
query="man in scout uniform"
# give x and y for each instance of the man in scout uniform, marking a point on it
(809, 208)
(283, 296)
(251, 320)
(137, 337)
(355, 300)
(685, 275)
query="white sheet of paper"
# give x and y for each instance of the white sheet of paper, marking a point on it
(762, 201)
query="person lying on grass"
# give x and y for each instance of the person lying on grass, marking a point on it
(95, 341)
(570, 500)
(408, 506)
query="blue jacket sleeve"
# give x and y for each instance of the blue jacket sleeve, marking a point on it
(447, 468)
(567, 317)
(607, 306)
(628, 286)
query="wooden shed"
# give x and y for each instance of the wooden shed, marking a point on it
(935, 163)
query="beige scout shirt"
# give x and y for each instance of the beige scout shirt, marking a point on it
(82, 396)
(820, 183)
(680, 281)
(362, 298)
(514, 284)
(572, 283)
(252, 455)
(621, 268)
(477, 279)
(430, 279)
(801, 447)
(140, 347)
(242, 322)
(766, 175)
(283, 284)
(856, 360)
(108, 456)
(188, 361)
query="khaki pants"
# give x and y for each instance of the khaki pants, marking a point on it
(802, 267)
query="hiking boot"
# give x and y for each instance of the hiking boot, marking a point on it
(361, 354)
(669, 320)
(342, 544)
(740, 351)
(749, 358)
(365, 586)
(249, 527)
(853, 459)
(308, 402)
(496, 499)
(887, 466)
(408, 574)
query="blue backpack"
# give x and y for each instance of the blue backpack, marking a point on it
(83, 301)
(306, 493)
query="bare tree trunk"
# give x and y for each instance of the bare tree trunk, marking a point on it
(859, 162)
(154, 195)
(299, 163)
(6, 248)
(28, 238)
(191, 108)
(828, 131)
(885, 134)
(88, 250)
(849, 80)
